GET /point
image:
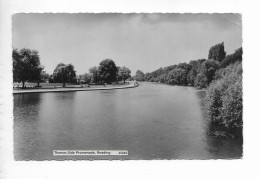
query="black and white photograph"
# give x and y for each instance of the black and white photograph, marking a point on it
(127, 86)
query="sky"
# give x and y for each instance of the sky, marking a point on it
(138, 41)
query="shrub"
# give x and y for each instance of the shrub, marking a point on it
(224, 97)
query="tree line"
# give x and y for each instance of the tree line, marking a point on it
(220, 75)
(27, 68)
(107, 72)
(198, 73)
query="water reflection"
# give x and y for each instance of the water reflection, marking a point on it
(220, 148)
(26, 117)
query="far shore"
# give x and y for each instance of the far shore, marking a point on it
(70, 89)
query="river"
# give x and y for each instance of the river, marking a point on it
(152, 121)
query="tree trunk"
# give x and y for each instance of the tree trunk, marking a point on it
(124, 81)
(38, 84)
(63, 84)
(23, 83)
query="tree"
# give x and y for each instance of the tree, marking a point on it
(191, 76)
(185, 66)
(124, 73)
(108, 71)
(139, 75)
(201, 80)
(147, 76)
(206, 74)
(177, 76)
(43, 77)
(217, 52)
(195, 70)
(87, 78)
(64, 73)
(209, 67)
(95, 75)
(162, 78)
(26, 65)
(232, 58)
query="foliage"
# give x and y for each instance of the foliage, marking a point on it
(201, 81)
(26, 65)
(64, 73)
(124, 73)
(86, 78)
(95, 75)
(108, 71)
(43, 77)
(224, 97)
(234, 68)
(195, 69)
(217, 52)
(177, 76)
(139, 76)
(206, 74)
(230, 59)
(162, 78)
(185, 66)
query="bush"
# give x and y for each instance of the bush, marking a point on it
(224, 97)
(233, 105)
(235, 68)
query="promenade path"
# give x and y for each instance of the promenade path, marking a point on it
(68, 89)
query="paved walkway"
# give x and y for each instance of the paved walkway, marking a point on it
(132, 85)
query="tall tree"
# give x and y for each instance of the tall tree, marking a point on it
(124, 73)
(108, 71)
(95, 75)
(26, 65)
(217, 52)
(64, 73)
(139, 75)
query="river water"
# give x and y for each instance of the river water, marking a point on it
(152, 121)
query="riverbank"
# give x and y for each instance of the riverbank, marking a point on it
(70, 89)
